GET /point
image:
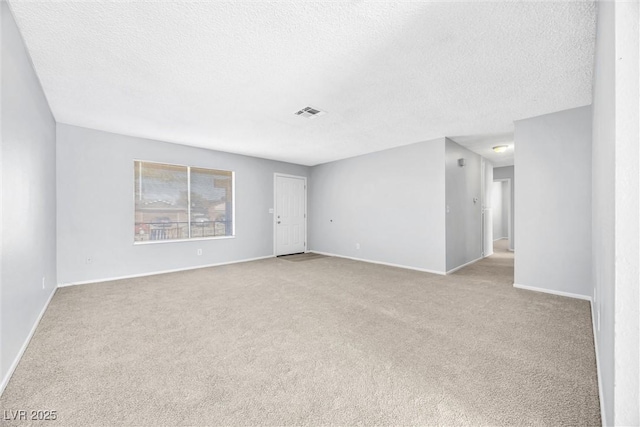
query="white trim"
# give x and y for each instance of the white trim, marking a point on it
(162, 162)
(275, 211)
(233, 205)
(175, 270)
(553, 292)
(511, 250)
(16, 361)
(189, 238)
(500, 238)
(488, 255)
(464, 265)
(195, 239)
(424, 270)
(603, 416)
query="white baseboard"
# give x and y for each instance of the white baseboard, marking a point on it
(500, 238)
(175, 270)
(553, 292)
(511, 250)
(424, 270)
(603, 415)
(488, 255)
(464, 265)
(16, 361)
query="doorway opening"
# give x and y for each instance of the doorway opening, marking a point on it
(502, 215)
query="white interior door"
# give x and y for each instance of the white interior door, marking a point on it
(290, 214)
(499, 219)
(487, 212)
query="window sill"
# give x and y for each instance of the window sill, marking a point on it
(195, 239)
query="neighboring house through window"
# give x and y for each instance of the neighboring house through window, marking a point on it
(174, 202)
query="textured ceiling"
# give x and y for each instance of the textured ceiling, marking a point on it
(231, 75)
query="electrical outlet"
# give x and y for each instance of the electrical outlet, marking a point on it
(42, 282)
(357, 246)
(199, 252)
(89, 260)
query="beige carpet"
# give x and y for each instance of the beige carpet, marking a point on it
(329, 341)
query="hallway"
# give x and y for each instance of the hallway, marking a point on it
(496, 268)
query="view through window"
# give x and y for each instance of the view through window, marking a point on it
(175, 202)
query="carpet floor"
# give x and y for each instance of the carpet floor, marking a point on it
(326, 341)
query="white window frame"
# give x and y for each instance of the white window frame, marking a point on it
(190, 239)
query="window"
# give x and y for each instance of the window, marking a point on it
(175, 202)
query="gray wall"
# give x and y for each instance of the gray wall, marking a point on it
(553, 201)
(28, 196)
(616, 176)
(603, 193)
(508, 172)
(463, 216)
(627, 206)
(390, 202)
(96, 211)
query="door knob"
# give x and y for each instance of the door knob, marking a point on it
(278, 222)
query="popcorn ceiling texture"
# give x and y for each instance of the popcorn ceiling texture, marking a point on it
(230, 76)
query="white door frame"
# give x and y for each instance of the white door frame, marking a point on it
(483, 205)
(509, 213)
(275, 208)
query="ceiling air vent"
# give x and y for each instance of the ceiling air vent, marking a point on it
(310, 112)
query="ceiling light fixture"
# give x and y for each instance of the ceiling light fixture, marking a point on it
(500, 148)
